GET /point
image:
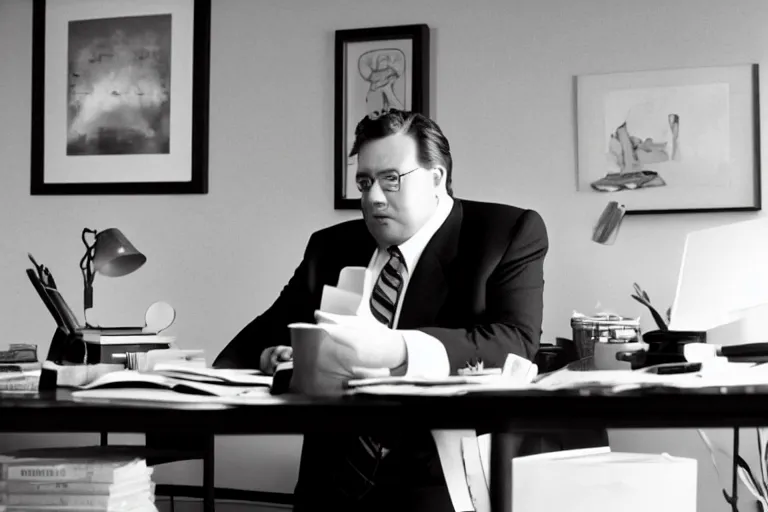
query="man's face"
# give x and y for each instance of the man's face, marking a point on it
(394, 217)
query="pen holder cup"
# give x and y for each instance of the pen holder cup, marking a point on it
(313, 373)
(612, 356)
(589, 331)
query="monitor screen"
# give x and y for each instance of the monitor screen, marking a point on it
(723, 276)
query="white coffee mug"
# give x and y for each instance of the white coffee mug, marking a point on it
(314, 370)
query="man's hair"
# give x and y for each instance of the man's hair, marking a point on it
(431, 145)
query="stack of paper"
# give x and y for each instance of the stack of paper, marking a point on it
(101, 483)
(595, 482)
(586, 480)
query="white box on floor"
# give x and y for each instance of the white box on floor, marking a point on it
(600, 480)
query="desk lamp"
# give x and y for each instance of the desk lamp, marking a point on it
(111, 254)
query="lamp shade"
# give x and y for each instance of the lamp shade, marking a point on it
(114, 255)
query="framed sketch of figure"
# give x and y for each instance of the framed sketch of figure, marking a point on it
(377, 69)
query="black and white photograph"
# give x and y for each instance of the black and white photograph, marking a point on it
(383, 256)
(120, 94)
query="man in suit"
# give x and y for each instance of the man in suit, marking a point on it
(454, 282)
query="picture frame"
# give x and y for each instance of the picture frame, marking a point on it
(397, 57)
(671, 141)
(120, 95)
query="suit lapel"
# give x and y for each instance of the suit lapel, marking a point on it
(428, 286)
(359, 249)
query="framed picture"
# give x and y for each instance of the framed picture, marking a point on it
(377, 69)
(120, 97)
(671, 141)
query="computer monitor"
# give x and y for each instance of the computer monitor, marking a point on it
(723, 278)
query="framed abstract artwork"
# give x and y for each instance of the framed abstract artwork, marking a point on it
(671, 141)
(376, 69)
(120, 97)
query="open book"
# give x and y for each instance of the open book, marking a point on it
(175, 383)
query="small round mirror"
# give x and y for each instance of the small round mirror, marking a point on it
(159, 316)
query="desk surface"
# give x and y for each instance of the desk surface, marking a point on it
(56, 411)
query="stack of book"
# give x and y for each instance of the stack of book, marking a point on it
(19, 368)
(98, 484)
(109, 345)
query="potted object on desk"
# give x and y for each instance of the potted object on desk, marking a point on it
(663, 345)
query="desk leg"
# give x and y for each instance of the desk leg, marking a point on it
(209, 485)
(735, 484)
(502, 447)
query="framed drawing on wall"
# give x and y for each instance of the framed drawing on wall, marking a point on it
(120, 97)
(671, 141)
(376, 69)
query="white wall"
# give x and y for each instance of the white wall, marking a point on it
(502, 74)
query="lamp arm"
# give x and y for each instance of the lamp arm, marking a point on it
(86, 268)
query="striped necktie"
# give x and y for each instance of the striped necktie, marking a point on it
(386, 291)
(363, 454)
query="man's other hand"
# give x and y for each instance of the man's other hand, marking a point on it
(368, 344)
(273, 356)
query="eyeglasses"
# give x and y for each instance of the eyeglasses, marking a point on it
(388, 181)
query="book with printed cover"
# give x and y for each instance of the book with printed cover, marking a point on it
(125, 498)
(138, 483)
(41, 469)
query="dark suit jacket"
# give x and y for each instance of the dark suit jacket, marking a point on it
(477, 287)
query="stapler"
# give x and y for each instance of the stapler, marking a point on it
(281, 380)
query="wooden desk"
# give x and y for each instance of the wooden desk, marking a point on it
(497, 413)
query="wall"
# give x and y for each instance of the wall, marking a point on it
(502, 75)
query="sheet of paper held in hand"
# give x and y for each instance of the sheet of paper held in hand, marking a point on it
(344, 299)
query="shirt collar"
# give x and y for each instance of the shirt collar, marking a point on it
(412, 248)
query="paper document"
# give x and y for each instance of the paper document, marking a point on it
(439, 389)
(604, 482)
(448, 443)
(516, 374)
(339, 301)
(476, 474)
(450, 380)
(148, 395)
(565, 379)
(353, 279)
(732, 374)
(244, 377)
(344, 299)
(129, 379)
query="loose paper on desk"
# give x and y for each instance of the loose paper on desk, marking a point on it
(517, 374)
(244, 377)
(149, 397)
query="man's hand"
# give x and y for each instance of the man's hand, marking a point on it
(272, 356)
(370, 347)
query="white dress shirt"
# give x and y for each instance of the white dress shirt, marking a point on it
(426, 354)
